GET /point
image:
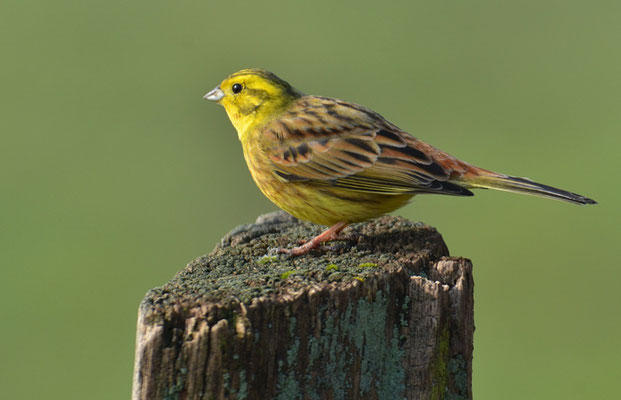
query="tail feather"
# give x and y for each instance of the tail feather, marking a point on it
(526, 186)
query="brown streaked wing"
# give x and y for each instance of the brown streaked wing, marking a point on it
(326, 158)
(348, 146)
(310, 143)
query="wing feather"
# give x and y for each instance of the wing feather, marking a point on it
(330, 142)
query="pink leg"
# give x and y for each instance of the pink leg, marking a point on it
(329, 234)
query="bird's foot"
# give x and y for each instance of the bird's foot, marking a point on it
(316, 242)
(351, 237)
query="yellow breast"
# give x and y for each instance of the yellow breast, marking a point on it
(318, 203)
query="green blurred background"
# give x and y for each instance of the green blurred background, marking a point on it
(115, 173)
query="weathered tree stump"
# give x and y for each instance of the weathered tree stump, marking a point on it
(384, 315)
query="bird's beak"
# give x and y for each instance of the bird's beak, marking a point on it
(215, 95)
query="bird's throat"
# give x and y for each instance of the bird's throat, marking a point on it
(241, 122)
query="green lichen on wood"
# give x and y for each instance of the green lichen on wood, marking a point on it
(405, 308)
(381, 362)
(242, 393)
(459, 374)
(356, 336)
(288, 386)
(439, 369)
(449, 375)
(173, 392)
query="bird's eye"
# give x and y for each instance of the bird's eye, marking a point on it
(237, 88)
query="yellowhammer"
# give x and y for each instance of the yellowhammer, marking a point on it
(333, 163)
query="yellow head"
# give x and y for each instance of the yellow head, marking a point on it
(252, 97)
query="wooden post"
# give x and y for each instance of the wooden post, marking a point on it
(384, 315)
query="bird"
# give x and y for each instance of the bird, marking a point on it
(334, 163)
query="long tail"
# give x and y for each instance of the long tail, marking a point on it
(526, 186)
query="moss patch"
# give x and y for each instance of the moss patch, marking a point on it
(286, 274)
(243, 266)
(332, 267)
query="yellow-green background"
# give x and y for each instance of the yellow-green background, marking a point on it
(115, 173)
